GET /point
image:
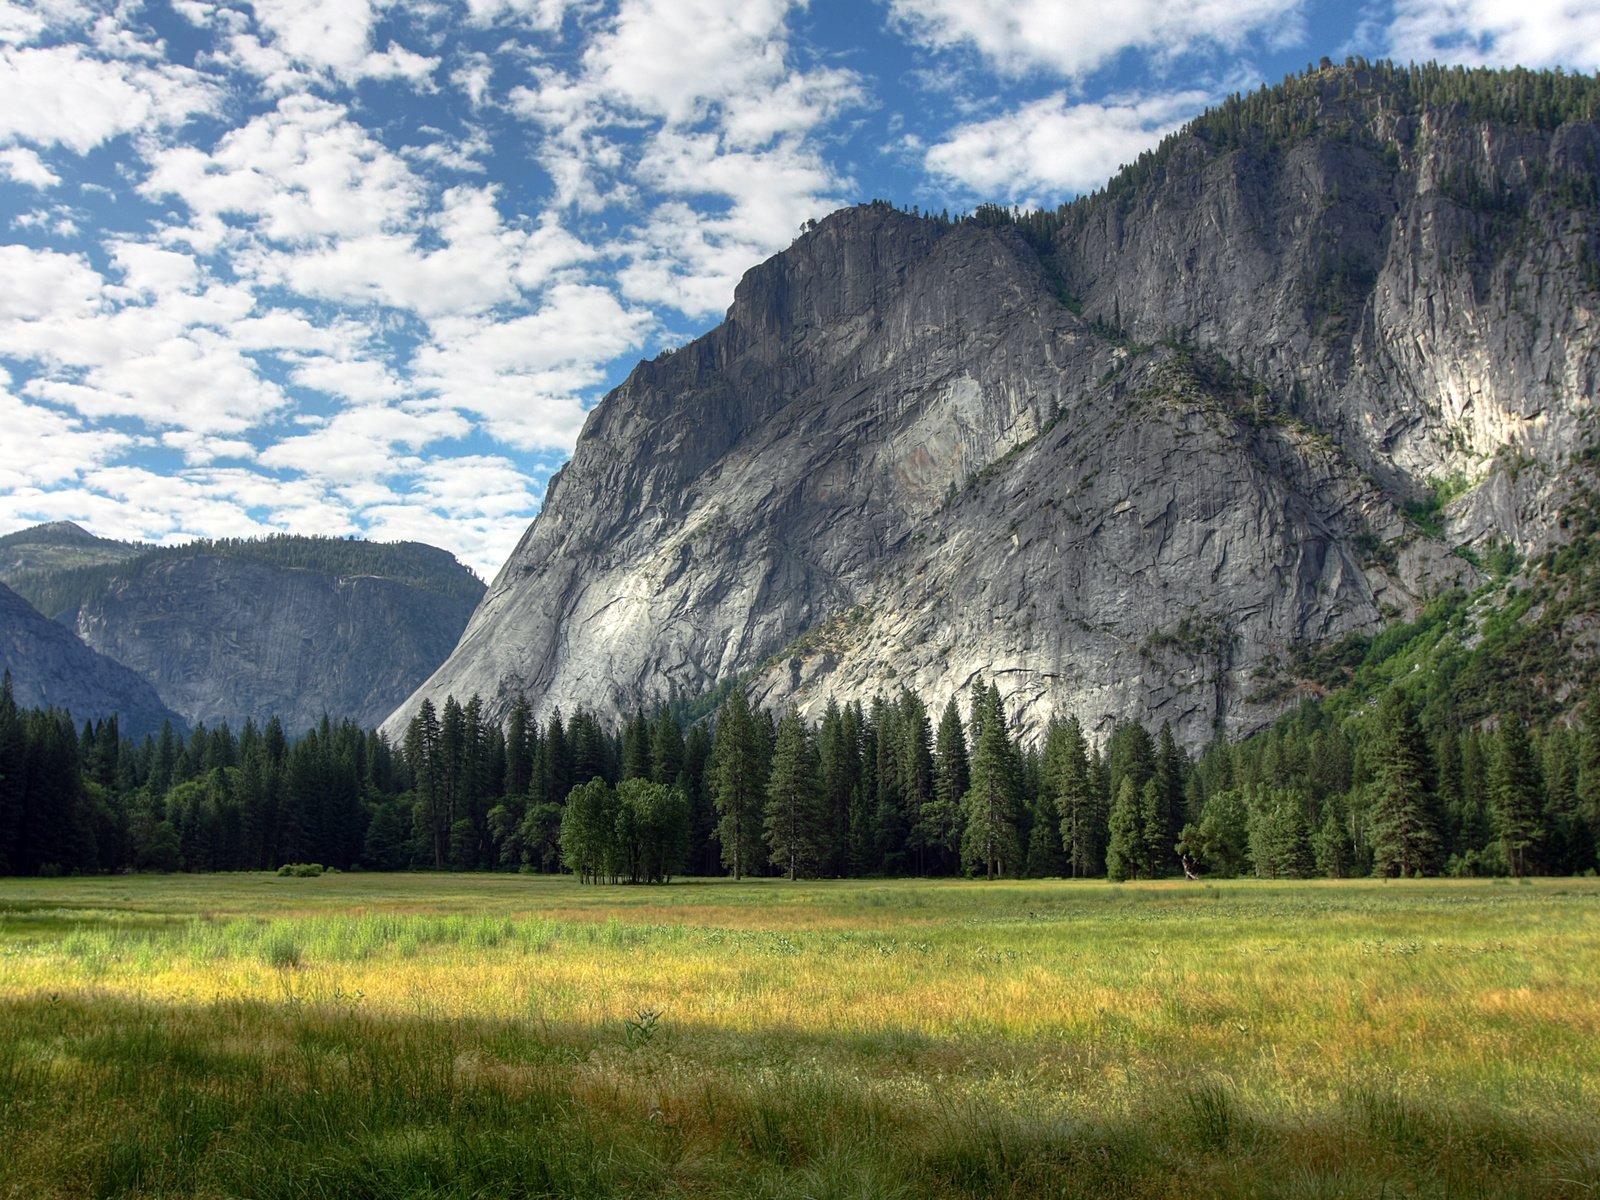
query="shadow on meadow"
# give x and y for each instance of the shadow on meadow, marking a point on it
(102, 1096)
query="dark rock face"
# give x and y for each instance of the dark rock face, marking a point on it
(226, 638)
(50, 666)
(906, 458)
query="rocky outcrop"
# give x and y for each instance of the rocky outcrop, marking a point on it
(228, 638)
(50, 666)
(292, 627)
(1124, 459)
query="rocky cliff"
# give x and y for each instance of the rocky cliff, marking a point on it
(1123, 458)
(50, 666)
(286, 627)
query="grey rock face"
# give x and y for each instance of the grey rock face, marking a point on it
(226, 638)
(903, 459)
(49, 665)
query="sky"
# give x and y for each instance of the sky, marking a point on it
(361, 267)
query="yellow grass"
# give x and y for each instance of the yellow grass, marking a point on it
(1365, 1015)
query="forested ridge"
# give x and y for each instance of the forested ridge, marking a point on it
(54, 591)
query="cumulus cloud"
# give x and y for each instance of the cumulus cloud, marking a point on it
(1052, 147)
(721, 128)
(63, 96)
(1530, 33)
(1074, 38)
(526, 376)
(45, 447)
(332, 39)
(21, 165)
(303, 173)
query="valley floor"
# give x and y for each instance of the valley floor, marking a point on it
(431, 1035)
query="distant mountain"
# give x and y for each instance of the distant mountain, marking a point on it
(1329, 352)
(49, 665)
(283, 626)
(60, 545)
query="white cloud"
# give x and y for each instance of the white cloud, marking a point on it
(473, 77)
(195, 380)
(24, 23)
(1530, 33)
(359, 444)
(361, 380)
(21, 165)
(471, 271)
(58, 95)
(44, 446)
(332, 39)
(199, 449)
(526, 376)
(541, 14)
(304, 172)
(151, 270)
(1050, 147)
(1074, 38)
(718, 50)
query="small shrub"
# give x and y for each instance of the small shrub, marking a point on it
(301, 870)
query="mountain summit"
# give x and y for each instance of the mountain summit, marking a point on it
(1283, 379)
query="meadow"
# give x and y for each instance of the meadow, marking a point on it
(447, 1035)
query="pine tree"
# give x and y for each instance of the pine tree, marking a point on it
(666, 749)
(1125, 849)
(1589, 775)
(520, 745)
(739, 783)
(1404, 830)
(840, 767)
(1514, 784)
(914, 765)
(990, 838)
(1067, 774)
(951, 778)
(793, 823)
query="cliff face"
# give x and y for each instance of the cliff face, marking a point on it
(1122, 460)
(228, 638)
(290, 627)
(49, 666)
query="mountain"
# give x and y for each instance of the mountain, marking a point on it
(59, 545)
(49, 665)
(1317, 359)
(292, 627)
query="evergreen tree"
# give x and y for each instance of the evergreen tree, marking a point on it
(13, 799)
(1066, 772)
(1514, 784)
(1220, 841)
(951, 777)
(839, 757)
(1589, 775)
(1405, 834)
(636, 745)
(990, 838)
(794, 812)
(666, 749)
(914, 764)
(520, 745)
(1156, 836)
(1125, 849)
(739, 783)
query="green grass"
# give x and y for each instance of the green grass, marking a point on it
(368, 1035)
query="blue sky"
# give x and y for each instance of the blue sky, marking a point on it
(357, 267)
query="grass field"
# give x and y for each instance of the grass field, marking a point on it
(373, 1035)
